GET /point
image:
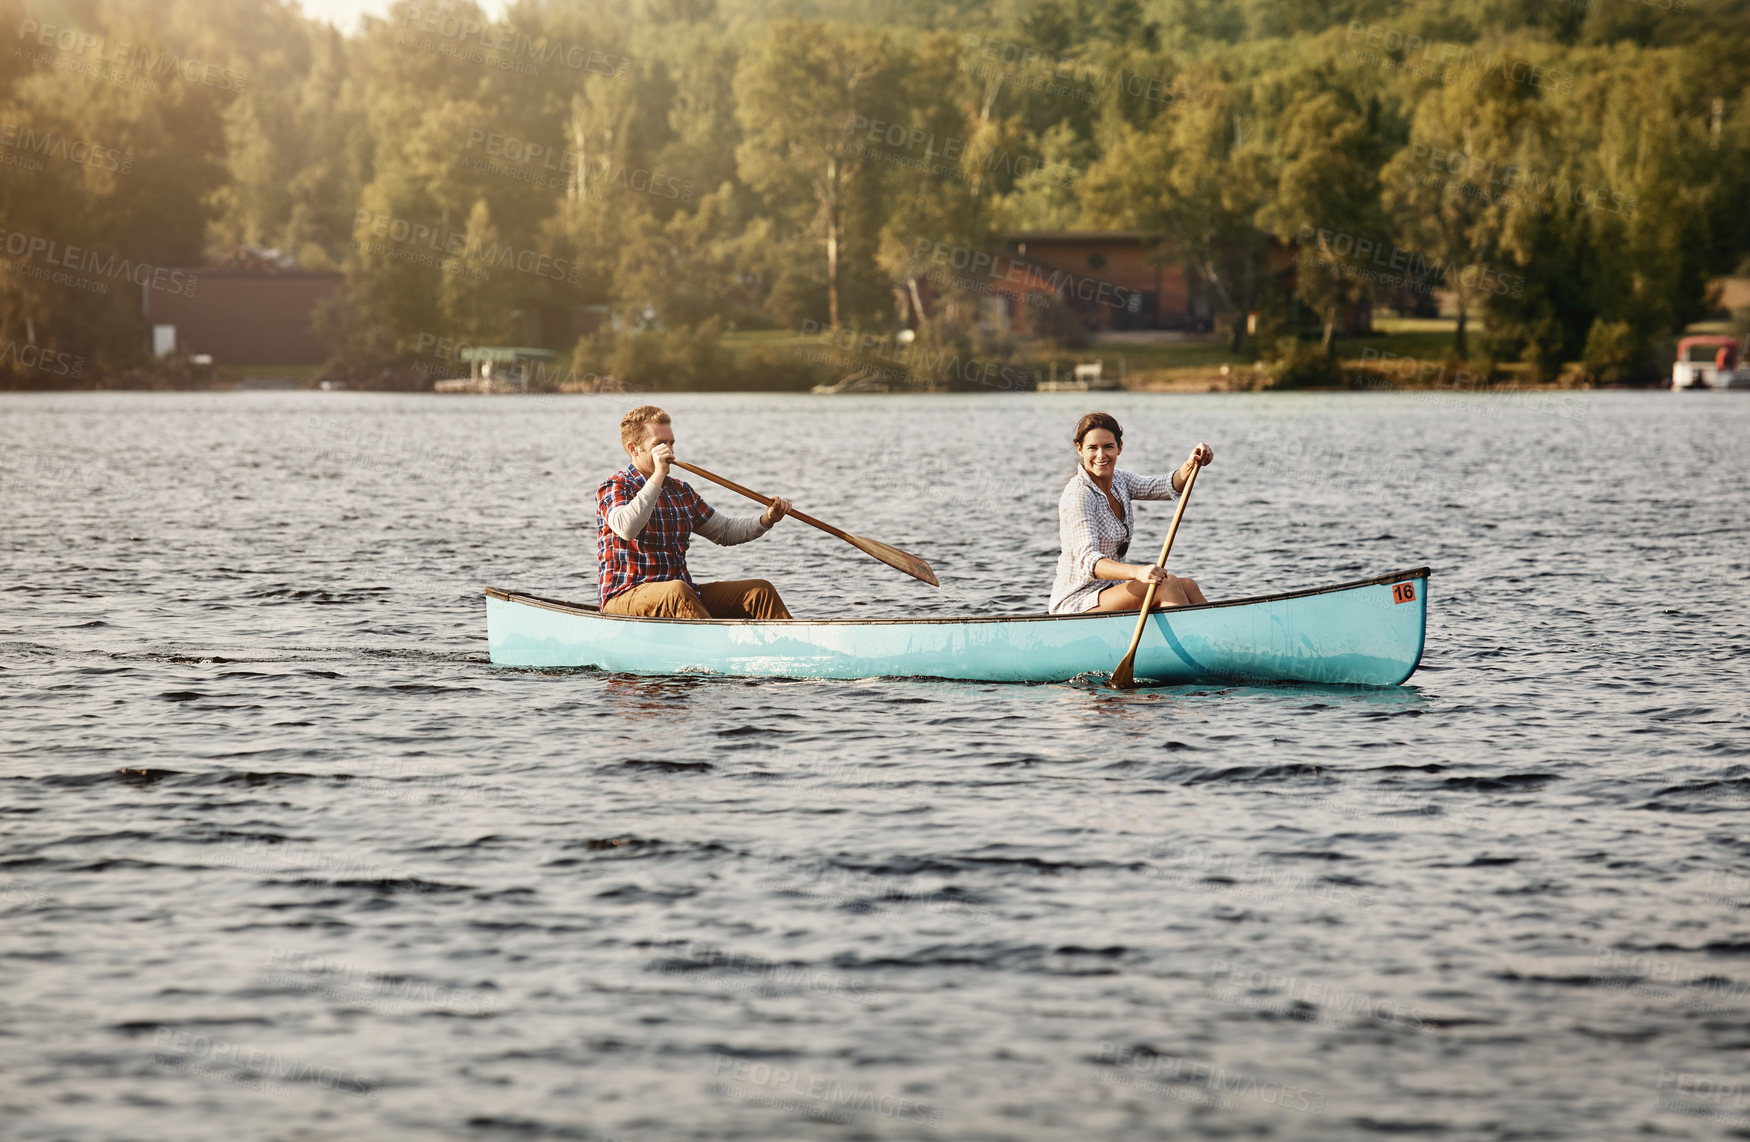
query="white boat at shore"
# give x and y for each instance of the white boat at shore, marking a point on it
(1088, 378)
(1710, 361)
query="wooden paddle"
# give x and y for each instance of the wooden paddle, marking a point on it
(892, 556)
(1121, 677)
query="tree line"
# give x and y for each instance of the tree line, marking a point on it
(625, 183)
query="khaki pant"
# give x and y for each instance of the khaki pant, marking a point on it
(673, 599)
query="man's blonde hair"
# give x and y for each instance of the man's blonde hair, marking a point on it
(632, 424)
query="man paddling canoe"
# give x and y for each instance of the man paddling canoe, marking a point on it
(1095, 522)
(643, 523)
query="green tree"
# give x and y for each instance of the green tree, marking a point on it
(806, 95)
(144, 208)
(1443, 190)
(1194, 178)
(1328, 162)
(476, 298)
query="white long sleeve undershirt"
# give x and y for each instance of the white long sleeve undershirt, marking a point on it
(627, 520)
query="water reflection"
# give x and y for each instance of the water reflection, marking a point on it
(642, 697)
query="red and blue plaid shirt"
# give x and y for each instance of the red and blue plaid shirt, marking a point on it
(657, 553)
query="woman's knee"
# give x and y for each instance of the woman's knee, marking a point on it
(1128, 596)
(1171, 594)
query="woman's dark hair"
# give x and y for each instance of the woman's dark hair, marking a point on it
(1095, 420)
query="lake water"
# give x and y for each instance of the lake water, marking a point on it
(282, 855)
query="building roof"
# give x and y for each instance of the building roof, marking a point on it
(507, 353)
(205, 272)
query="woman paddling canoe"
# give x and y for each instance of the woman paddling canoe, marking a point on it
(1095, 522)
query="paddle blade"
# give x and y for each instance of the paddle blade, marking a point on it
(1124, 677)
(894, 557)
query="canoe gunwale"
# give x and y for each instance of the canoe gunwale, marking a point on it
(588, 610)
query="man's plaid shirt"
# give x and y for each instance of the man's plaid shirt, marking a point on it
(660, 551)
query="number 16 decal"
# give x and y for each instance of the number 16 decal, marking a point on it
(1403, 592)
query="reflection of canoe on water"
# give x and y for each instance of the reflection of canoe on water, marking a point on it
(1367, 633)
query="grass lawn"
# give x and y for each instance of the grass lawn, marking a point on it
(739, 342)
(303, 374)
(1163, 355)
(1429, 338)
(1421, 338)
(1197, 363)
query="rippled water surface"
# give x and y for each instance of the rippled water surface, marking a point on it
(282, 856)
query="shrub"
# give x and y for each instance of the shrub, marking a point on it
(783, 368)
(1543, 350)
(1297, 364)
(176, 371)
(1615, 352)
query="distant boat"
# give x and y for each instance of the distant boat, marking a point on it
(1366, 633)
(1088, 378)
(864, 381)
(497, 386)
(498, 369)
(1709, 361)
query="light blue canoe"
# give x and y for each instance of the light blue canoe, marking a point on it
(1367, 633)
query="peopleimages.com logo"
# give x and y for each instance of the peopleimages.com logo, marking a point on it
(457, 244)
(77, 259)
(1446, 58)
(109, 61)
(28, 356)
(520, 51)
(211, 1057)
(1392, 264)
(819, 1095)
(1142, 1068)
(52, 144)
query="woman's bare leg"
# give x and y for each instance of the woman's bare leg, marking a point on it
(1193, 592)
(1129, 596)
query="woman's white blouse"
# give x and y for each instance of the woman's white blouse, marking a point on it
(1089, 532)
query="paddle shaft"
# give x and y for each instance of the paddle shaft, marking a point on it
(1148, 600)
(904, 561)
(767, 500)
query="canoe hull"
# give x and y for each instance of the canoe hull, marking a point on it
(1368, 633)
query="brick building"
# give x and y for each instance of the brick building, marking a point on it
(1110, 280)
(244, 316)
